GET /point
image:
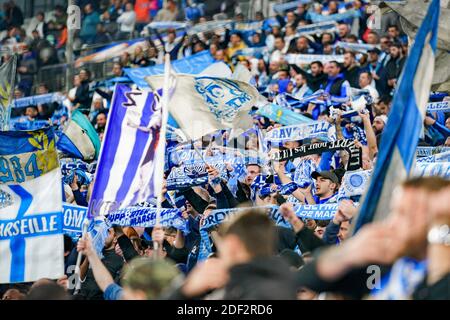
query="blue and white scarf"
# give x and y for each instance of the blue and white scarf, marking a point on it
(146, 217)
(401, 282)
(443, 106)
(317, 129)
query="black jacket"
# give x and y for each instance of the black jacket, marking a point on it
(261, 279)
(114, 264)
(437, 291)
(313, 82)
(83, 96)
(352, 76)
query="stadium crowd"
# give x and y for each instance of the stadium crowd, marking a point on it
(248, 257)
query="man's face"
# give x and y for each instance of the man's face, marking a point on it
(326, 38)
(171, 37)
(117, 70)
(333, 70)
(220, 56)
(384, 43)
(382, 108)
(319, 231)
(364, 80)
(342, 30)
(83, 75)
(290, 17)
(447, 123)
(283, 75)
(409, 208)
(393, 33)
(252, 172)
(373, 57)
(101, 120)
(235, 40)
(378, 126)
(348, 60)
(344, 231)
(279, 44)
(110, 239)
(324, 187)
(372, 38)
(315, 69)
(447, 142)
(98, 104)
(42, 90)
(291, 144)
(302, 44)
(31, 113)
(394, 51)
(274, 67)
(332, 7)
(299, 81)
(88, 8)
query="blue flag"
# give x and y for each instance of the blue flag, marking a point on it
(31, 220)
(400, 137)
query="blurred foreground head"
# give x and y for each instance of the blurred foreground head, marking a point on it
(247, 236)
(148, 279)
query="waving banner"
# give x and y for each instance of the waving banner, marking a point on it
(292, 58)
(299, 132)
(440, 169)
(361, 47)
(354, 183)
(442, 106)
(354, 162)
(7, 80)
(31, 219)
(125, 170)
(146, 217)
(316, 211)
(74, 216)
(282, 115)
(203, 104)
(439, 157)
(216, 217)
(194, 64)
(316, 17)
(192, 175)
(317, 28)
(430, 151)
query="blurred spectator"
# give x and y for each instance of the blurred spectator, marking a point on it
(89, 24)
(13, 14)
(168, 13)
(127, 21)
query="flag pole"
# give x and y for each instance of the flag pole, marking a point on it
(77, 271)
(161, 149)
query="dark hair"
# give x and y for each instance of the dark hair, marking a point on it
(322, 223)
(68, 243)
(393, 26)
(48, 291)
(368, 74)
(337, 64)
(352, 36)
(254, 229)
(352, 53)
(386, 99)
(320, 64)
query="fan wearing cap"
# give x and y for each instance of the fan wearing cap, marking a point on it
(379, 123)
(327, 185)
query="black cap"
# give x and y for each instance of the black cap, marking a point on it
(327, 175)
